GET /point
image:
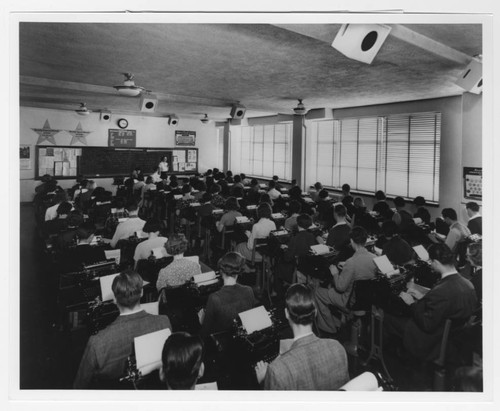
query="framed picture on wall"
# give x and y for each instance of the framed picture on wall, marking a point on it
(185, 138)
(473, 183)
(25, 157)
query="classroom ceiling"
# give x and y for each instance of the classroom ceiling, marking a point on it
(195, 69)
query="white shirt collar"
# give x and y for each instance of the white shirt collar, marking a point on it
(132, 312)
(302, 336)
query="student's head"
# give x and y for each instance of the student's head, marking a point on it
(237, 178)
(264, 210)
(215, 189)
(186, 189)
(176, 244)
(295, 192)
(275, 178)
(265, 198)
(419, 201)
(472, 208)
(64, 208)
(271, 184)
(152, 225)
(91, 184)
(304, 221)
(347, 200)
(380, 195)
(318, 186)
(119, 203)
(75, 218)
(85, 231)
(216, 171)
(346, 188)
(201, 186)
(231, 264)
(140, 177)
(339, 211)
(389, 228)
(449, 215)
(127, 288)
(358, 236)
(149, 180)
(399, 202)
(294, 207)
(206, 197)
(209, 172)
(442, 255)
(243, 176)
(323, 194)
(359, 203)
(229, 173)
(181, 361)
(231, 204)
(132, 207)
(475, 254)
(300, 308)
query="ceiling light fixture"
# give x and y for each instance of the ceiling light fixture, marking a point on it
(129, 88)
(300, 109)
(83, 110)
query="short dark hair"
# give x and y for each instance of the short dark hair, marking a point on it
(346, 187)
(181, 358)
(231, 264)
(347, 200)
(441, 253)
(237, 178)
(318, 185)
(206, 197)
(152, 225)
(340, 210)
(231, 203)
(132, 206)
(323, 193)
(149, 180)
(215, 188)
(127, 288)
(300, 304)
(64, 208)
(186, 188)
(380, 195)
(358, 235)
(473, 206)
(275, 178)
(419, 201)
(304, 221)
(294, 207)
(399, 202)
(389, 228)
(265, 198)
(475, 251)
(85, 230)
(176, 244)
(449, 213)
(295, 192)
(264, 210)
(75, 218)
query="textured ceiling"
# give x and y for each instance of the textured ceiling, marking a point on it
(204, 68)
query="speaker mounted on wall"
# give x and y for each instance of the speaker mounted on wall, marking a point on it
(361, 42)
(105, 116)
(173, 120)
(471, 79)
(148, 103)
(237, 111)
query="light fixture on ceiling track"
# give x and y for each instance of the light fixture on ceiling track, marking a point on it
(83, 110)
(205, 119)
(300, 109)
(129, 88)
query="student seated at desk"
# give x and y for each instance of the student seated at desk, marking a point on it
(105, 356)
(51, 212)
(359, 267)
(381, 207)
(325, 210)
(458, 232)
(402, 217)
(180, 269)
(127, 228)
(144, 249)
(59, 224)
(260, 229)
(311, 363)
(229, 217)
(182, 363)
(397, 250)
(68, 237)
(217, 200)
(294, 209)
(421, 212)
(475, 224)
(273, 193)
(224, 305)
(453, 297)
(338, 236)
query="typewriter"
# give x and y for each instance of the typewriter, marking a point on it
(100, 314)
(88, 272)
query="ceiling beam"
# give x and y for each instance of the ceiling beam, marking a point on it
(327, 33)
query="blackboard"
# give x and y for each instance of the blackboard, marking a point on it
(95, 162)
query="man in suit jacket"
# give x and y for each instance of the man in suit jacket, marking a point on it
(105, 356)
(453, 297)
(475, 224)
(311, 363)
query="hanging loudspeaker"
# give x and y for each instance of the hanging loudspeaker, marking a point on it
(173, 120)
(361, 42)
(238, 112)
(105, 116)
(148, 103)
(471, 79)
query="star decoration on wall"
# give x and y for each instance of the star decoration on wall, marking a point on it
(46, 133)
(78, 135)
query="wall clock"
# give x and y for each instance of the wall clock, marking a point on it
(122, 123)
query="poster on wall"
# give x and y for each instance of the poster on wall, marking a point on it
(25, 157)
(185, 138)
(473, 183)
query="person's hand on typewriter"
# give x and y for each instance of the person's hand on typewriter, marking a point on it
(407, 298)
(260, 371)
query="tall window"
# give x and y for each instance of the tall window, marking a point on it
(263, 151)
(398, 154)
(220, 148)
